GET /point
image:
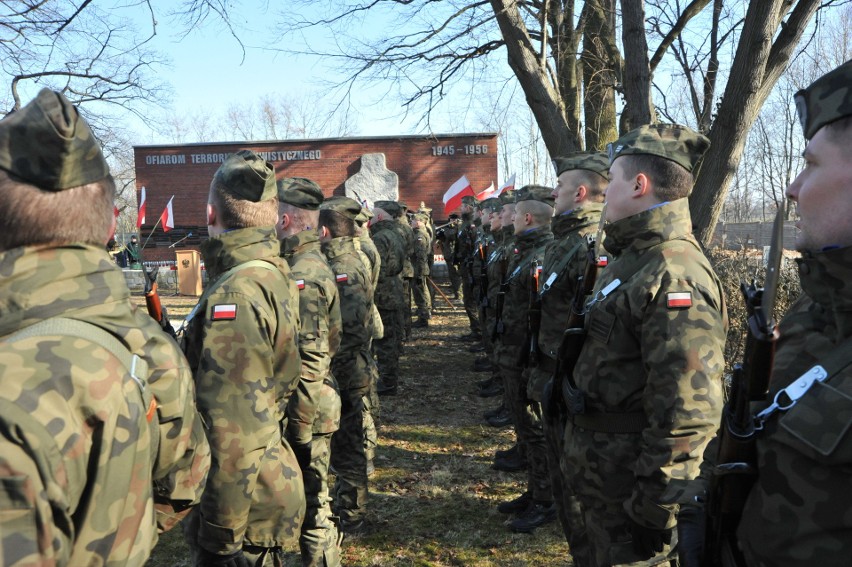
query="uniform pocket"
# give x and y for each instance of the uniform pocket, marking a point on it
(818, 425)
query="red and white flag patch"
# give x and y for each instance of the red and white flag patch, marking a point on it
(342, 278)
(225, 312)
(300, 284)
(675, 299)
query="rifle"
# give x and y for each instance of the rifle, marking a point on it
(529, 357)
(152, 301)
(736, 468)
(502, 268)
(483, 282)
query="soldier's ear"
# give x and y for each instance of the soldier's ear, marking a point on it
(211, 214)
(582, 192)
(642, 185)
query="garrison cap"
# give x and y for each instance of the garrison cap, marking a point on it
(365, 215)
(597, 162)
(469, 200)
(346, 206)
(402, 205)
(247, 176)
(680, 144)
(390, 207)
(827, 99)
(492, 204)
(300, 192)
(48, 144)
(535, 193)
(507, 197)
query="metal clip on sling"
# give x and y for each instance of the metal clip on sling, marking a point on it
(788, 397)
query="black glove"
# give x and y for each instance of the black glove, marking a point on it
(691, 526)
(303, 454)
(647, 542)
(210, 559)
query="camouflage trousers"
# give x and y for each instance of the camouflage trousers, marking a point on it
(603, 485)
(422, 297)
(349, 458)
(256, 556)
(453, 274)
(526, 415)
(407, 288)
(387, 349)
(471, 307)
(486, 325)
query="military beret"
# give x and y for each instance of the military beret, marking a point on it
(346, 206)
(597, 162)
(492, 204)
(535, 193)
(680, 144)
(827, 99)
(507, 197)
(300, 192)
(469, 200)
(48, 144)
(247, 176)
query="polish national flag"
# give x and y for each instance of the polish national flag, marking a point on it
(453, 196)
(509, 185)
(486, 193)
(168, 217)
(140, 217)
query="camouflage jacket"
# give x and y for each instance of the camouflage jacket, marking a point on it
(366, 246)
(486, 241)
(654, 351)
(319, 330)
(449, 238)
(504, 246)
(465, 238)
(422, 249)
(356, 299)
(408, 235)
(77, 455)
(391, 247)
(529, 247)
(571, 231)
(798, 511)
(241, 345)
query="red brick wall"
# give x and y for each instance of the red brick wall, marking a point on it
(423, 176)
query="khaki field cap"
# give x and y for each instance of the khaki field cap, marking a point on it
(597, 162)
(390, 207)
(346, 206)
(680, 144)
(827, 99)
(535, 193)
(507, 197)
(247, 176)
(492, 204)
(300, 192)
(48, 144)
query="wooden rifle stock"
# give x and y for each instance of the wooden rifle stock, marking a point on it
(502, 268)
(529, 356)
(152, 303)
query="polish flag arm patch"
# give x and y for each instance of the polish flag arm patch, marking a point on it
(300, 284)
(342, 278)
(227, 312)
(678, 299)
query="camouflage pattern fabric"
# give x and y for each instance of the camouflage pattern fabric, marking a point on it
(370, 256)
(827, 99)
(84, 481)
(242, 347)
(486, 240)
(465, 238)
(653, 358)
(420, 286)
(389, 298)
(351, 367)
(320, 332)
(526, 413)
(680, 144)
(798, 511)
(448, 247)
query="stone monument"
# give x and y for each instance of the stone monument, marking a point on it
(374, 182)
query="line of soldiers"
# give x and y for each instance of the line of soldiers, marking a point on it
(604, 326)
(112, 432)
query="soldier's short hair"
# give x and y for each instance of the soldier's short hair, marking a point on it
(540, 211)
(301, 219)
(337, 224)
(241, 213)
(31, 216)
(671, 180)
(840, 130)
(595, 184)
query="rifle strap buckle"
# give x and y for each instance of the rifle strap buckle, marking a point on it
(788, 397)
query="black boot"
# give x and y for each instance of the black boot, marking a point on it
(384, 389)
(538, 514)
(510, 464)
(495, 389)
(512, 452)
(500, 420)
(495, 412)
(519, 504)
(482, 364)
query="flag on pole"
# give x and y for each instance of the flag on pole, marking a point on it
(167, 219)
(140, 217)
(509, 185)
(453, 196)
(486, 193)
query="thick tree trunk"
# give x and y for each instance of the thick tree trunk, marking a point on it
(757, 66)
(598, 77)
(636, 79)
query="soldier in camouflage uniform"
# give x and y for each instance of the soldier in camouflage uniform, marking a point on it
(397, 212)
(533, 211)
(484, 248)
(578, 200)
(241, 342)
(465, 237)
(352, 365)
(797, 513)
(389, 297)
(100, 442)
(420, 283)
(313, 413)
(447, 236)
(648, 378)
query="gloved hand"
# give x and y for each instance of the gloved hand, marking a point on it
(303, 454)
(647, 542)
(691, 526)
(210, 559)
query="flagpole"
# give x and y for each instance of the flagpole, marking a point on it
(151, 233)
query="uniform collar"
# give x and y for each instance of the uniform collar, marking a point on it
(649, 228)
(826, 278)
(585, 215)
(223, 252)
(300, 243)
(339, 246)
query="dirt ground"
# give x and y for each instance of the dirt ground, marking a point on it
(433, 495)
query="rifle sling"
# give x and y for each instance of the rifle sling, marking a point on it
(557, 269)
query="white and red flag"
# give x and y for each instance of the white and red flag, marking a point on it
(486, 193)
(508, 185)
(140, 217)
(453, 196)
(168, 217)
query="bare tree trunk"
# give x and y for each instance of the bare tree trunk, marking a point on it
(636, 80)
(757, 66)
(598, 77)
